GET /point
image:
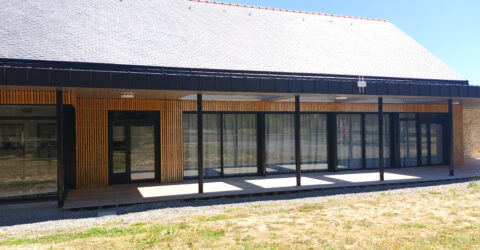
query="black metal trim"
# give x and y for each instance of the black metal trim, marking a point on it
(93, 75)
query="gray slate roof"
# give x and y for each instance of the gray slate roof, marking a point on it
(181, 33)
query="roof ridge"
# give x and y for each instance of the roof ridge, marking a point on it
(288, 10)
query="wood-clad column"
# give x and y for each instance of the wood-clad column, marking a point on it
(380, 137)
(298, 159)
(450, 138)
(200, 142)
(60, 144)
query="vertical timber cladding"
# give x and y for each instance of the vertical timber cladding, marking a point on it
(92, 137)
(92, 129)
(458, 159)
(34, 97)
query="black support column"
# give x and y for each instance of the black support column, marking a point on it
(200, 142)
(380, 137)
(60, 149)
(450, 137)
(332, 142)
(298, 159)
(262, 168)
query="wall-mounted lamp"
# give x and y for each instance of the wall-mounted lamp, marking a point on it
(127, 95)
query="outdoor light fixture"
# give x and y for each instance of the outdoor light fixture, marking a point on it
(341, 98)
(127, 95)
(455, 103)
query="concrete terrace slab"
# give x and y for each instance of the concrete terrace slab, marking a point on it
(256, 185)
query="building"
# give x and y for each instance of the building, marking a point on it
(98, 93)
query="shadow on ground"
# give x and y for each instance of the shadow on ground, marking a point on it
(26, 213)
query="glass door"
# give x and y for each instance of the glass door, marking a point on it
(133, 151)
(142, 152)
(433, 147)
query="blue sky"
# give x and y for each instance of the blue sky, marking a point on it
(450, 29)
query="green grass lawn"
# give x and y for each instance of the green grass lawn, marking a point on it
(444, 219)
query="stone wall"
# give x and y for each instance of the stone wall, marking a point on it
(471, 133)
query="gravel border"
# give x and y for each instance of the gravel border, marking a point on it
(45, 216)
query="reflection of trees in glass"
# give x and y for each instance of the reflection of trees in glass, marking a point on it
(27, 157)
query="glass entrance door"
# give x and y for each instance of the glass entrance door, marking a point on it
(133, 150)
(432, 142)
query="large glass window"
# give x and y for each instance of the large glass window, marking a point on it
(408, 139)
(28, 152)
(436, 143)
(313, 140)
(211, 145)
(190, 167)
(371, 141)
(424, 139)
(239, 134)
(349, 141)
(240, 144)
(280, 143)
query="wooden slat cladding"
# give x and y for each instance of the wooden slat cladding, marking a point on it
(458, 158)
(92, 143)
(313, 107)
(32, 96)
(92, 137)
(92, 125)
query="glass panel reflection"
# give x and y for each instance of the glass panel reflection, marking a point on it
(313, 142)
(371, 141)
(142, 151)
(190, 145)
(119, 149)
(211, 145)
(408, 142)
(436, 143)
(424, 138)
(240, 144)
(280, 143)
(28, 152)
(349, 141)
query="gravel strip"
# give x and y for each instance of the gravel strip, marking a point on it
(45, 216)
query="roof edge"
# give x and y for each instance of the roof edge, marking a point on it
(132, 68)
(288, 10)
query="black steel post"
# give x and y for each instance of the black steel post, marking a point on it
(332, 142)
(60, 144)
(297, 140)
(380, 137)
(200, 142)
(262, 168)
(450, 137)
